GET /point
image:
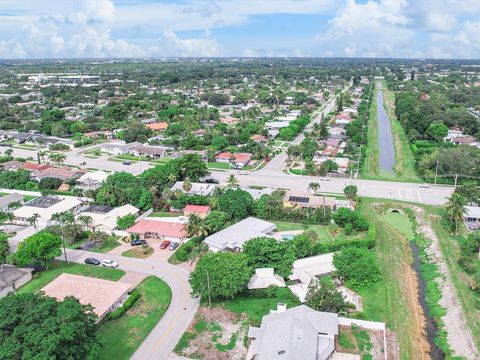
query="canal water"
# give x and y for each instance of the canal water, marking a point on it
(386, 157)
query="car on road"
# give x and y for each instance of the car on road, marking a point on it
(324, 178)
(138, 242)
(243, 172)
(165, 244)
(127, 163)
(211, 181)
(173, 245)
(109, 263)
(92, 261)
(424, 185)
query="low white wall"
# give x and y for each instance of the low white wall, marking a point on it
(21, 192)
(373, 325)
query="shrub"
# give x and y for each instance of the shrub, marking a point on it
(357, 267)
(181, 255)
(118, 312)
(345, 216)
(348, 229)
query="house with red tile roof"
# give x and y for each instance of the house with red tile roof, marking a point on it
(239, 159)
(160, 126)
(158, 229)
(200, 210)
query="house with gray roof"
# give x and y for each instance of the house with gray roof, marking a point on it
(12, 278)
(298, 333)
(233, 237)
(6, 200)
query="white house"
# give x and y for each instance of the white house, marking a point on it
(233, 237)
(104, 218)
(91, 180)
(197, 188)
(118, 148)
(472, 217)
(264, 278)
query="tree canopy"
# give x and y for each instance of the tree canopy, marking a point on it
(38, 249)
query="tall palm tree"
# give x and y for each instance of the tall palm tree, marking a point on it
(232, 181)
(83, 164)
(33, 220)
(9, 152)
(455, 208)
(64, 219)
(314, 186)
(41, 155)
(196, 227)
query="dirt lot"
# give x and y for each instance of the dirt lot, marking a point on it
(215, 334)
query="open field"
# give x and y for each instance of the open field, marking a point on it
(123, 336)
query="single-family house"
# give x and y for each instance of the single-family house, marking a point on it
(91, 180)
(160, 126)
(195, 189)
(104, 295)
(259, 139)
(158, 229)
(471, 217)
(238, 159)
(263, 278)
(45, 207)
(199, 210)
(233, 237)
(149, 151)
(118, 148)
(305, 199)
(293, 334)
(104, 218)
(62, 173)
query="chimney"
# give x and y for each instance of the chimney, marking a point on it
(281, 308)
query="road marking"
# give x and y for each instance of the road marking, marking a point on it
(399, 194)
(418, 192)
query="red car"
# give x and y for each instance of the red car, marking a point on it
(165, 244)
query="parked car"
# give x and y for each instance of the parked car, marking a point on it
(127, 163)
(211, 181)
(92, 261)
(165, 244)
(243, 172)
(324, 178)
(425, 185)
(109, 263)
(173, 245)
(138, 242)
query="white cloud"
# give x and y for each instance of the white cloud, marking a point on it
(202, 47)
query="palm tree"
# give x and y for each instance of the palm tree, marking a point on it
(86, 221)
(314, 186)
(333, 230)
(64, 219)
(232, 181)
(61, 158)
(9, 152)
(455, 208)
(187, 186)
(196, 227)
(41, 155)
(33, 220)
(83, 164)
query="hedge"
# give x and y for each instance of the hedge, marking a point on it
(118, 312)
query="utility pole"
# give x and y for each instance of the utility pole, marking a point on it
(456, 178)
(209, 297)
(436, 173)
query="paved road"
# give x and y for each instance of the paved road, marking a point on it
(386, 156)
(162, 339)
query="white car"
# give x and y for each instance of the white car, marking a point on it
(324, 178)
(109, 263)
(424, 185)
(243, 172)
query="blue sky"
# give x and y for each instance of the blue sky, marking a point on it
(165, 28)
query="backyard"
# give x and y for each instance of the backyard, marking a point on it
(321, 230)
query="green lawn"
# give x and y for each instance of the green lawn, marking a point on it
(404, 159)
(370, 165)
(123, 336)
(255, 308)
(43, 278)
(321, 230)
(138, 252)
(401, 223)
(219, 165)
(109, 244)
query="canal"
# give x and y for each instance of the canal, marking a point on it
(386, 156)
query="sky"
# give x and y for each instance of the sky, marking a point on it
(239, 28)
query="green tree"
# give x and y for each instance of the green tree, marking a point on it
(4, 249)
(437, 131)
(126, 221)
(357, 267)
(323, 296)
(266, 252)
(220, 275)
(237, 204)
(455, 208)
(215, 221)
(351, 192)
(196, 227)
(232, 181)
(38, 249)
(314, 186)
(191, 167)
(35, 326)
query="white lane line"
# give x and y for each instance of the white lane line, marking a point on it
(399, 194)
(418, 192)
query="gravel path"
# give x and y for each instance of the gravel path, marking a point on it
(458, 335)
